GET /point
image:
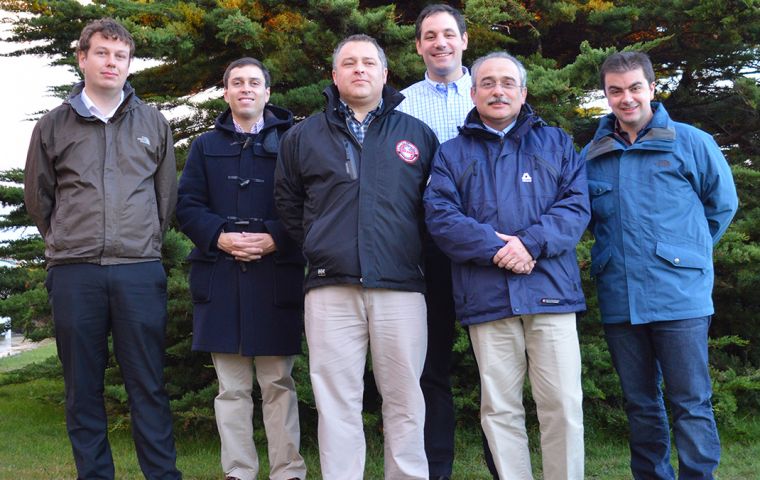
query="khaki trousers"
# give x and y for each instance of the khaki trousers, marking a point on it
(341, 323)
(234, 415)
(546, 346)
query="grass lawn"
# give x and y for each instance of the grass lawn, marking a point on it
(33, 442)
(44, 351)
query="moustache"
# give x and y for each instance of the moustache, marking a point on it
(499, 99)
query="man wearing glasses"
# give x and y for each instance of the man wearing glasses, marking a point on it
(508, 202)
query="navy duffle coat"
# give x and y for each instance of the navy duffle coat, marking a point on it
(251, 308)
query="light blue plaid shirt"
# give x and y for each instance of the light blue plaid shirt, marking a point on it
(443, 107)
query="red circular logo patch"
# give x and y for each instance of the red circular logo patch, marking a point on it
(407, 151)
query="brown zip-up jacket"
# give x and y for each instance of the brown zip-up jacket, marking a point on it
(101, 192)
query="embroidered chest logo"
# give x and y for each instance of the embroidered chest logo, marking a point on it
(144, 140)
(407, 151)
(526, 178)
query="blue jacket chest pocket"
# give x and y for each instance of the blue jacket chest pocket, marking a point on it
(602, 199)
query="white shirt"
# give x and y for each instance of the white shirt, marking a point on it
(96, 111)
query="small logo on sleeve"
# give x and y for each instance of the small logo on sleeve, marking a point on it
(407, 151)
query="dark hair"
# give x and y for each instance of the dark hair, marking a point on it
(439, 8)
(520, 67)
(109, 28)
(243, 62)
(360, 37)
(622, 62)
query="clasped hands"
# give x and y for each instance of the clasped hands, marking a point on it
(513, 255)
(246, 246)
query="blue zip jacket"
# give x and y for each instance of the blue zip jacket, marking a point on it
(531, 184)
(658, 206)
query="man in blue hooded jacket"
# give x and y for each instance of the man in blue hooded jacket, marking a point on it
(662, 195)
(508, 202)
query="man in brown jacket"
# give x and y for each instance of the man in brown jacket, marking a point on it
(100, 184)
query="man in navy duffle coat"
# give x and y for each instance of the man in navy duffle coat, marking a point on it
(246, 274)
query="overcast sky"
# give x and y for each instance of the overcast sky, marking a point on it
(24, 84)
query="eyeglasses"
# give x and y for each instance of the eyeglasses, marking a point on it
(491, 84)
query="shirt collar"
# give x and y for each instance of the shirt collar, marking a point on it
(501, 133)
(349, 113)
(255, 128)
(460, 86)
(624, 135)
(95, 110)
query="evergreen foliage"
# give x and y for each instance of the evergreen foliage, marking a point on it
(706, 56)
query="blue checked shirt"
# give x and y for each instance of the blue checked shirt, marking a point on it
(443, 107)
(359, 128)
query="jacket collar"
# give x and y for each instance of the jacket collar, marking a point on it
(658, 135)
(274, 118)
(391, 99)
(75, 100)
(526, 120)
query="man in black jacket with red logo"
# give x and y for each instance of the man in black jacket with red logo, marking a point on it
(349, 185)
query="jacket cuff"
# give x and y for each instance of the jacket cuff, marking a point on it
(532, 246)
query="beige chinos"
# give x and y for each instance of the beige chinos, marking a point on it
(234, 415)
(341, 323)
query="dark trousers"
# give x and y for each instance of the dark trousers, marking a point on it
(674, 351)
(129, 301)
(436, 376)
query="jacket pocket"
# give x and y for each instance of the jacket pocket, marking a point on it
(202, 281)
(681, 256)
(602, 199)
(599, 261)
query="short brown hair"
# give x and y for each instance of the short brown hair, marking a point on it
(439, 8)
(360, 37)
(109, 28)
(243, 62)
(622, 62)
